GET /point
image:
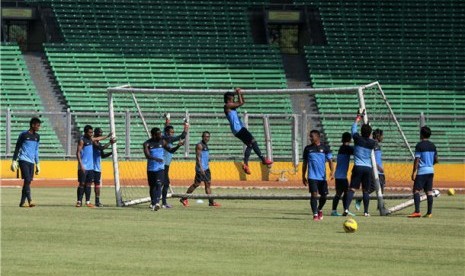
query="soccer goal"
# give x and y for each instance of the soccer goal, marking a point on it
(133, 111)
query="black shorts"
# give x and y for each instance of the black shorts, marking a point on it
(97, 177)
(363, 175)
(342, 185)
(382, 183)
(245, 136)
(155, 178)
(166, 178)
(423, 182)
(27, 170)
(199, 177)
(318, 186)
(87, 177)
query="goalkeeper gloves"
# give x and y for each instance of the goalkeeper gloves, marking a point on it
(167, 116)
(186, 121)
(37, 169)
(360, 114)
(14, 165)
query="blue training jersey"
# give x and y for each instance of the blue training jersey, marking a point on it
(87, 154)
(98, 150)
(168, 156)
(316, 156)
(379, 156)
(426, 152)
(27, 147)
(204, 157)
(156, 150)
(343, 161)
(234, 121)
(362, 148)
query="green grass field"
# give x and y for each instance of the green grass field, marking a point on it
(240, 238)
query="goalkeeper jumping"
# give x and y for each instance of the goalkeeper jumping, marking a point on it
(239, 130)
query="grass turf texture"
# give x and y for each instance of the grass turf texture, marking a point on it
(240, 238)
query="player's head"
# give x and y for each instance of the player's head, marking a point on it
(88, 131)
(346, 137)
(97, 132)
(378, 135)
(228, 97)
(366, 130)
(34, 123)
(315, 136)
(425, 132)
(205, 136)
(156, 132)
(169, 130)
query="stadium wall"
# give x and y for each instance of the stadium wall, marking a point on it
(222, 171)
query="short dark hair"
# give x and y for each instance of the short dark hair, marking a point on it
(346, 137)
(366, 130)
(168, 128)
(205, 132)
(227, 95)
(377, 133)
(154, 130)
(316, 132)
(97, 131)
(87, 128)
(34, 120)
(425, 132)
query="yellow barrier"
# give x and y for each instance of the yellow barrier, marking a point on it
(224, 170)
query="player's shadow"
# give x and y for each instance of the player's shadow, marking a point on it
(264, 171)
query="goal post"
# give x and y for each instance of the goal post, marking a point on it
(144, 105)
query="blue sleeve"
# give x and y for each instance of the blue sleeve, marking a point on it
(37, 151)
(19, 143)
(354, 128)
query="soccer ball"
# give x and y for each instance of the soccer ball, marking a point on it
(451, 191)
(436, 193)
(350, 225)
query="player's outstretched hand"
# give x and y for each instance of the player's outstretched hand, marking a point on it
(14, 166)
(238, 90)
(113, 140)
(167, 116)
(181, 142)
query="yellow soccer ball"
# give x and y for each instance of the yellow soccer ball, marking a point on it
(451, 191)
(350, 225)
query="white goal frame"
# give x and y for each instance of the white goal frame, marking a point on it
(307, 91)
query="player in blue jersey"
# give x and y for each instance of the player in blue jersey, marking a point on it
(98, 155)
(85, 157)
(239, 130)
(342, 166)
(315, 157)
(363, 169)
(202, 170)
(423, 172)
(378, 136)
(170, 138)
(25, 156)
(153, 151)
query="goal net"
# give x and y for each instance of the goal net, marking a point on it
(134, 111)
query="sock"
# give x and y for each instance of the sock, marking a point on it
(97, 194)
(80, 193)
(313, 204)
(335, 202)
(366, 202)
(429, 198)
(87, 192)
(416, 199)
(344, 201)
(157, 192)
(164, 193)
(152, 194)
(322, 202)
(257, 151)
(247, 152)
(350, 196)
